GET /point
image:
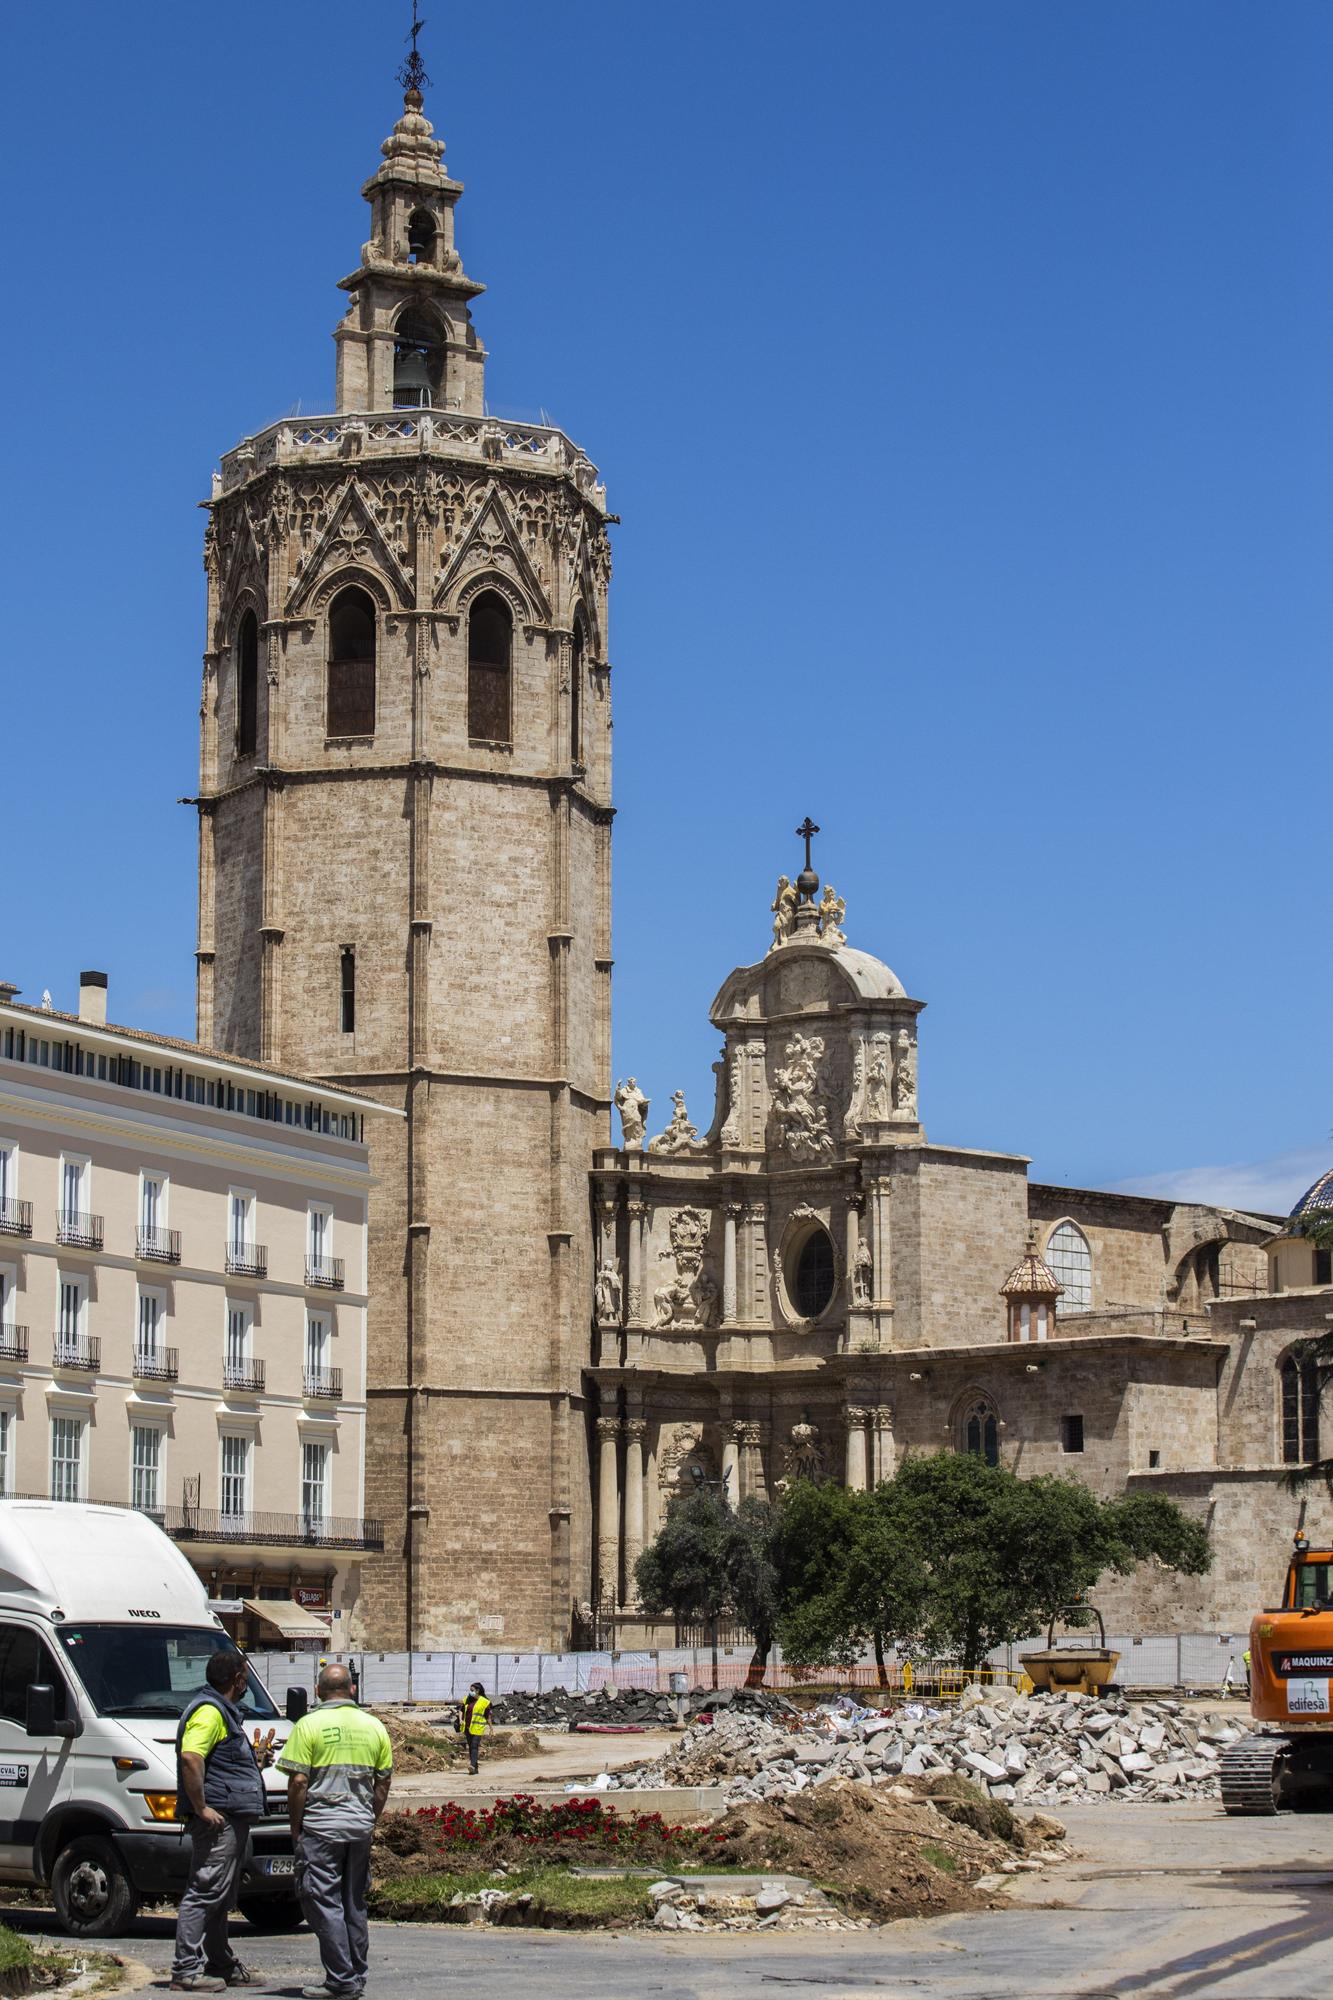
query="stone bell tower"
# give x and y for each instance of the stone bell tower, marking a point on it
(405, 855)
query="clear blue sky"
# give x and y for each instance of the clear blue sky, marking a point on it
(962, 373)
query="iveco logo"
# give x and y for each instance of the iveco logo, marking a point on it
(132, 1613)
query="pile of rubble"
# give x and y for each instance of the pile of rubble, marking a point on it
(1025, 1750)
(784, 1903)
(638, 1708)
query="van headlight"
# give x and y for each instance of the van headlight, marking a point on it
(161, 1805)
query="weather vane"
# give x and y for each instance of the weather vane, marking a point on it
(413, 75)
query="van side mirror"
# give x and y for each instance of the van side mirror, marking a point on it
(298, 1703)
(40, 1718)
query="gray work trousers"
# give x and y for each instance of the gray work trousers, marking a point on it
(333, 1880)
(216, 1855)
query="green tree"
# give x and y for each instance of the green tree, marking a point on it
(849, 1577)
(1004, 1555)
(710, 1561)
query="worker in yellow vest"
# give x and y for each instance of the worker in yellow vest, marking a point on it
(472, 1722)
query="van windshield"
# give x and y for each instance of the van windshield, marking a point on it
(151, 1670)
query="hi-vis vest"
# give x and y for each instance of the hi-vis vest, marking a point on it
(474, 1717)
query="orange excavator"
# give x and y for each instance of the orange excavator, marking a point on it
(1289, 1761)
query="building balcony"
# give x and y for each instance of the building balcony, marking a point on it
(248, 1375)
(325, 1272)
(13, 1343)
(80, 1231)
(325, 1383)
(156, 1364)
(328, 1531)
(15, 1217)
(160, 1246)
(82, 1351)
(247, 1260)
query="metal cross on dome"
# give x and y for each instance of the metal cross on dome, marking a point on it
(413, 75)
(806, 832)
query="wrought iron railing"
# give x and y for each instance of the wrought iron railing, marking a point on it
(326, 1382)
(247, 1260)
(156, 1364)
(160, 1246)
(82, 1350)
(306, 1530)
(75, 1227)
(243, 1375)
(13, 1343)
(325, 1271)
(15, 1217)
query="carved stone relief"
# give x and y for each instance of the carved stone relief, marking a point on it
(800, 1111)
(689, 1297)
(802, 1455)
(680, 1136)
(904, 1075)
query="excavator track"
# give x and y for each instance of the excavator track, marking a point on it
(1249, 1774)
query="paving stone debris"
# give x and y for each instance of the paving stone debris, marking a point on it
(639, 1708)
(1021, 1749)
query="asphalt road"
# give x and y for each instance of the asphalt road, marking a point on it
(1166, 1903)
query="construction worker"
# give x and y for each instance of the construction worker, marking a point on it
(221, 1795)
(1245, 1657)
(339, 1765)
(472, 1722)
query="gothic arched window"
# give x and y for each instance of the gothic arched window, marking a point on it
(421, 237)
(1070, 1257)
(418, 362)
(490, 641)
(979, 1430)
(1299, 1380)
(576, 694)
(351, 708)
(247, 685)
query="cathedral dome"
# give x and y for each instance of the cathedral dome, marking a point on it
(872, 978)
(1315, 1205)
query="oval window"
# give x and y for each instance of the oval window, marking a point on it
(813, 1276)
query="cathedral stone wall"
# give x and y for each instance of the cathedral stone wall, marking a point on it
(955, 1244)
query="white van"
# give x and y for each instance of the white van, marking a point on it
(105, 1633)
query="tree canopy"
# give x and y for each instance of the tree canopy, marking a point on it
(710, 1560)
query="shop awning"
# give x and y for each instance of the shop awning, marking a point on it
(289, 1620)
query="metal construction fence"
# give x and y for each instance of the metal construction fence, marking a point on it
(1198, 1660)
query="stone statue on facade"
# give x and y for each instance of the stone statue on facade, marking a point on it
(784, 912)
(680, 1135)
(904, 1075)
(632, 1105)
(608, 1292)
(800, 1116)
(863, 1273)
(708, 1302)
(802, 1455)
(879, 1085)
(832, 910)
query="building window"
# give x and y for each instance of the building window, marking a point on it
(240, 1324)
(75, 1200)
(351, 695)
(152, 1314)
(418, 359)
(6, 1441)
(318, 1334)
(347, 990)
(1300, 1411)
(314, 1487)
(235, 1477)
(576, 695)
(1071, 1433)
(9, 1183)
(319, 1242)
(146, 1468)
(979, 1430)
(67, 1458)
(1069, 1256)
(490, 639)
(1154, 1461)
(813, 1276)
(247, 685)
(71, 1298)
(1323, 1267)
(240, 1226)
(152, 1204)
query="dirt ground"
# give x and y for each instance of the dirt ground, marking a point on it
(419, 1749)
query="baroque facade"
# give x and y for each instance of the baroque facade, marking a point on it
(405, 819)
(812, 1288)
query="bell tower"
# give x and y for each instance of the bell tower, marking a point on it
(404, 882)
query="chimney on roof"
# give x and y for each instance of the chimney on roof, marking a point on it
(92, 998)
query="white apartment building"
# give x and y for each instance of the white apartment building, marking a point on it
(183, 1305)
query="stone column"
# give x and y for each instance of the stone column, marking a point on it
(637, 1212)
(856, 1449)
(882, 1286)
(731, 1461)
(884, 1455)
(608, 1511)
(752, 1457)
(636, 1430)
(730, 1212)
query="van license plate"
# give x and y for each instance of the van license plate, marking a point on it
(278, 1864)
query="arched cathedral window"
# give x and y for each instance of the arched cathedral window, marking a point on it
(1299, 1381)
(351, 703)
(1070, 1257)
(247, 685)
(978, 1430)
(490, 641)
(576, 694)
(418, 362)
